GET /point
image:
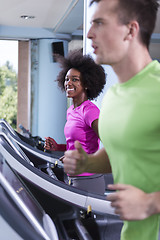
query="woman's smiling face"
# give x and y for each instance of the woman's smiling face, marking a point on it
(72, 84)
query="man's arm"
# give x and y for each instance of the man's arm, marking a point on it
(132, 203)
(78, 161)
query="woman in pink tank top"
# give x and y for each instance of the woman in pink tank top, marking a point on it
(82, 80)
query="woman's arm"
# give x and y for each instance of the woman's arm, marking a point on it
(95, 126)
(52, 145)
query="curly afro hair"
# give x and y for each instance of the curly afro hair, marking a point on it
(92, 75)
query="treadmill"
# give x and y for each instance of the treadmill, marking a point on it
(21, 216)
(76, 214)
(41, 158)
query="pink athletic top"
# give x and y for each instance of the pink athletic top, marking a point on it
(78, 127)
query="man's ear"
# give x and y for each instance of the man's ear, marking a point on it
(133, 30)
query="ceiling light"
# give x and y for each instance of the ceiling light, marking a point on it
(26, 17)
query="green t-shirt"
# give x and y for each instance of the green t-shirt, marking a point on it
(129, 127)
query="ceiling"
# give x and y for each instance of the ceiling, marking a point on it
(55, 16)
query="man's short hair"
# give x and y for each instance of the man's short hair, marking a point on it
(143, 11)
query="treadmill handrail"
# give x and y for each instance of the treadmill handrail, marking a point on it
(22, 207)
(8, 126)
(21, 154)
(61, 190)
(49, 158)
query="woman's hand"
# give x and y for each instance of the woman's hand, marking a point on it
(50, 144)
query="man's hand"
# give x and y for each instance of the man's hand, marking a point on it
(75, 161)
(130, 202)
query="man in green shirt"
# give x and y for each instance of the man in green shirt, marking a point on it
(129, 123)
